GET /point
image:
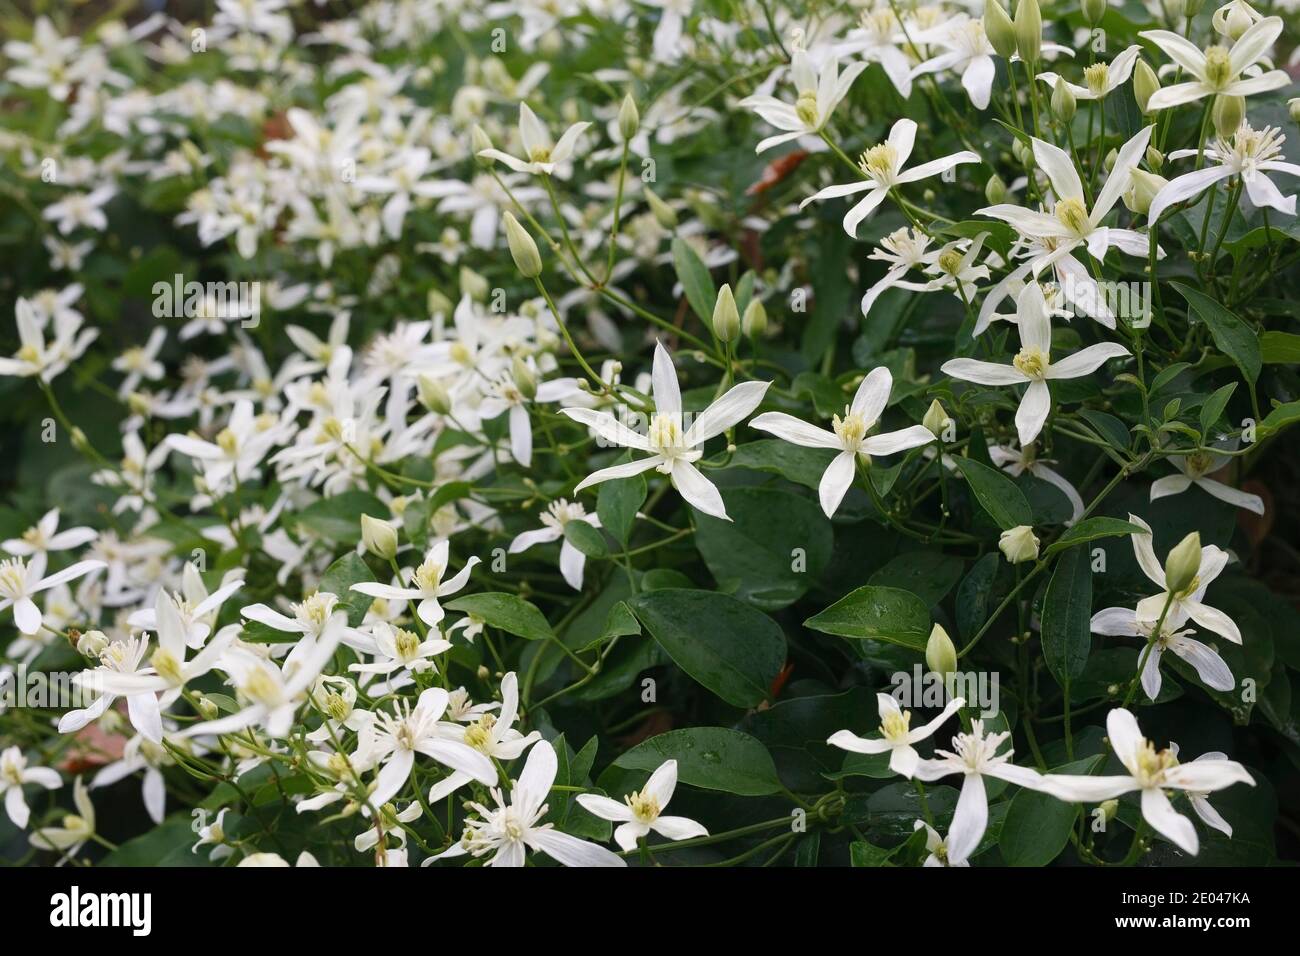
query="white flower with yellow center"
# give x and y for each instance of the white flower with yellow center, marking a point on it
(493, 735)
(310, 618)
(817, 95)
(1189, 602)
(1100, 79)
(541, 154)
(45, 537)
(849, 435)
(1250, 153)
(425, 583)
(897, 737)
(397, 648)
(1218, 71)
(643, 810)
(1032, 365)
(559, 514)
(19, 580)
(672, 450)
(77, 827)
(1151, 772)
(937, 847)
(1205, 660)
(1194, 470)
(966, 50)
(14, 774)
(882, 171)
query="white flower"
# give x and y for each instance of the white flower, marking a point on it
(1071, 223)
(967, 51)
(1209, 666)
(849, 436)
(1101, 78)
(124, 657)
(882, 169)
(897, 737)
(425, 583)
(77, 827)
(310, 618)
(214, 835)
(140, 755)
(198, 609)
(937, 847)
(1033, 364)
(20, 580)
(1193, 470)
(237, 452)
(975, 756)
(672, 451)
(1250, 154)
(141, 362)
(14, 773)
(1017, 462)
(819, 92)
(491, 734)
(394, 740)
(81, 209)
(1150, 772)
(45, 537)
(1218, 71)
(34, 357)
(509, 829)
(903, 249)
(642, 811)
(668, 34)
(400, 649)
(880, 39)
(557, 515)
(1188, 602)
(541, 155)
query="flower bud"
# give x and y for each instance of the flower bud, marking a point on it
(1228, 112)
(726, 317)
(479, 141)
(936, 419)
(1192, 7)
(998, 28)
(525, 378)
(1029, 30)
(1019, 544)
(1293, 107)
(1155, 159)
(754, 322)
(437, 303)
(92, 643)
(1111, 159)
(1064, 104)
(379, 537)
(1109, 809)
(1023, 154)
(433, 395)
(522, 248)
(1145, 84)
(664, 214)
(1093, 11)
(209, 710)
(629, 120)
(1142, 189)
(473, 284)
(1183, 564)
(940, 653)
(1175, 10)
(995, 190)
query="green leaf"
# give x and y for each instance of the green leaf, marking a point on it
(723, 643)
(997, 494)
(617, 503)
(1213, 408)
(929, 575)
(973, 595)
(1067, 613)
(803, 466)
(1279, 418)
(505, 612)
(1279, 348)
(712, 758)
(339, 578)
(586, 539)
(878, 613)
(1038, 825)
(1114, 431)
(695, 280)
(1090, 529)
(754, 557)
(1232, 335)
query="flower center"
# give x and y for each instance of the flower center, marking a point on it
(1095, 77)
(13, 578)
(850, 429)
(167, 666)
(1152, 764)
(315, 611)
(666, 435)
(1073, 215)
(1031, 361)
(643, 806)
(479, 734)
(407, 644)
(878, 162)
(895, 726)
(1218, 66)
(428, 576)
(806, 107)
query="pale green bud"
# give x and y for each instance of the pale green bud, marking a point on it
(754, 322)
(1142, 189)
(1064, 104)
(1183, 564)
(522, 248)
(1155, 158)
(936, 419)
(1228, 112)
(525, 378)
(726, 317)
(940, 652)
(473, 284)
(1019, 544)
(999, 29)
(479, 141)
(379, 537)
(995, 190)
(92, 643)
(437, 303)
(209, 710)
(1093, 11)
(433, 395)
(629, 120)
(1293, 107)
(1029, 30)
(1145, 84)
(664, 214)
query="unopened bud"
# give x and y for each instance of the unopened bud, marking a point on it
(1155, 159)
(437, 303)
(664, 214)
(1183, 564)
(754, 322)
(1293, 107)
(1109, 809)
(1093, 11)
(522, 248)
(1029, 30)
(999, 29)
(525, 378)
(208, 710)
(936, 419)
(1064, 104)
(1145, 84)
(1228, 113)
(726, 317)
(940, 652)
(995, 190)
(92, 643)
(379, 537)
(433, 395)
(473, 284)
(479, 141)
(1111, 159)
(1019, 544)
(629, 120)
(1142, 190)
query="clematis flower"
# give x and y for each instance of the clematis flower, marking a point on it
(491, 734)
(1151, 773)
(1187, 603)
(1101, 79)
(77, 827)
(1033, 364)
(1249, 154)
(141, 362)
(140, 755)
(126, 657)
(398, 649)
(903, 249)
(1218, 71)
(542, 155)
(394, 739)
(974, 756)
(937, 847)
(425, 583)
(879, 38)
(896, 735)
(668, 34)
(34, 357)
(819, 92)
(14, 775)
(45, 536)
(966, 51)
(1071, 223)
(882, 170)
(1193, 470)
(1017, 462)
(1209, 666)
(310, 618)
(508, 830)
(642, 811)
(19, 580)
(197, 609)
(555, 518)
(848, 436)
(673, 451)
